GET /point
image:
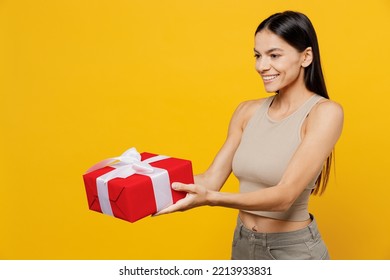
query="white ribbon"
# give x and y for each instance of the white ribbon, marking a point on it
(129, 163)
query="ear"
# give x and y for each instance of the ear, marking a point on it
(307, 57)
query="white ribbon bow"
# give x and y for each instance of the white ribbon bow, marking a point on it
(130, 163)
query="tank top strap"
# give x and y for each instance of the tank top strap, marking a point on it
(265, 105)
(309, 104)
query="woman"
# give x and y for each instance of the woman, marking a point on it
(278, 147)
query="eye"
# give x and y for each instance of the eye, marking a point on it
(274, 56)
(257, 56)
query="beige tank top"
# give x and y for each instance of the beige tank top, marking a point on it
(264, 152)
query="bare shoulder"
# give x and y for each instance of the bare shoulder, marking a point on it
(248, 107)
(326, 115)
(328, 108)
(245, 111)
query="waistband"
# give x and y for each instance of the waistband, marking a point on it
(307, 233)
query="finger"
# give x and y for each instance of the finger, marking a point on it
(183, 187)
(164, 211)
(172, 208)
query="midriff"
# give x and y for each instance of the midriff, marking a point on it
(268, 225)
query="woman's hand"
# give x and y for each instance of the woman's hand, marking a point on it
(196, 196)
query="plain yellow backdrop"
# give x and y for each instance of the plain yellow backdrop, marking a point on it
(81, 81)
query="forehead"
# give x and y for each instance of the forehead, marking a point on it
(266, 40)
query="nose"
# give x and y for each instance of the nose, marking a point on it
(262, 64)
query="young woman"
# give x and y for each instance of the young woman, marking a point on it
(279, 148)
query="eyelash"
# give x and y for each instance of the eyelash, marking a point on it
(273, 56)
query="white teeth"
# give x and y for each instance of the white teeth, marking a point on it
(269, 78)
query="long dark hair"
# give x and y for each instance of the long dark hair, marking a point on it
(297, 30)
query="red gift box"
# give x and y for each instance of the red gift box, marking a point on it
(137, 186)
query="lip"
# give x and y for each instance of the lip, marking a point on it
(269, 78)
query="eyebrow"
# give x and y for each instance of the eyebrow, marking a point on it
(268, 51)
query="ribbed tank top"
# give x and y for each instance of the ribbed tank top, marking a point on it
(264, 152)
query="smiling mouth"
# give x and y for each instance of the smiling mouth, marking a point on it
(269, 78)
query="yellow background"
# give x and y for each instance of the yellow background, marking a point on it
(81, 81)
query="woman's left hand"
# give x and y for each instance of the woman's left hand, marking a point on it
(196, 196)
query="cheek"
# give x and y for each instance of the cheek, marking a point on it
(290, 68)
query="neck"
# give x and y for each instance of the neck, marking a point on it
(285, 104)
(289, 99)
(293, 95)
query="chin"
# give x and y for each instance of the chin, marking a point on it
(271, 89)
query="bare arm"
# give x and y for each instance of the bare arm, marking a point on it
(221, 167)
(324, 126)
